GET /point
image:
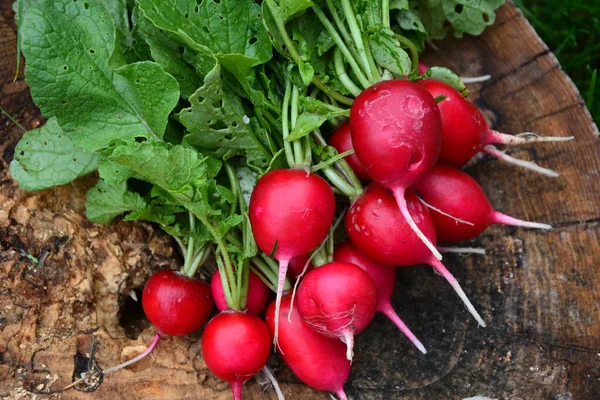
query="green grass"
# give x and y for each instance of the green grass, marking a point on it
(571, 29)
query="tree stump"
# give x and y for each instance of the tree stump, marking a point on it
(66, 284)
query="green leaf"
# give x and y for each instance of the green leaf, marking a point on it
(387, 51)
(45, 157)
(470, 16)
(226, 224)
(68, 46)
(217, 120)
(412, 27)
(447, 76)
(239, 40)
(111, 172)
(306, 123)
(431, 15)
(104, 202)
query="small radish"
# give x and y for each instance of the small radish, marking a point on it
(257, 298)
(342, 141)
(235, 347)
(384, 278)
(175, 303)
(464, 129)
(458, 207)
(318, 361)
(397, 135)
(338, 300)
(378, 230)
(290, 212)
(297, 264)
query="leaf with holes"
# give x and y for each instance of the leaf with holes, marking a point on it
(104, 202)
(217, 121)
(68, 46)
(470, 16)
(45, 157)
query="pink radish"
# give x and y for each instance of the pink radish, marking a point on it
(175, 303)
(338, 300)
(384, 278)
(257, 298)
(465, 130)
(422, 67)
(290, 213)
(378, 230)
(318, 361)
(458, 207)
(397, 135)
(297, 264)
(235, 347)
(342, 141)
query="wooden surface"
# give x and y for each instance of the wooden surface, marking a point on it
(538, 291)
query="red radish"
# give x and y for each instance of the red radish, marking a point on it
(297, 264)
(342, 141)
(422, 67)
(397, 134)
(338, 300)
(458, 207)
(256, 301)
(175, 303)
(384, 278)
(290, 213)
(235, 347)
(318, 361)
(378, 230)
(465, 130)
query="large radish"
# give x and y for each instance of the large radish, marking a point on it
(397, 135)
(384, 278)
(290, 212)
(338, 300)
(318, 361)
(377, 229)
(458, 207)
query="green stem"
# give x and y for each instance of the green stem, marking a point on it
(342, 46)
(244, 286)
(340, 71)
(414, 53)
(385, 13)
(289, 154)
(190, 246)
(320, 258)
(199, 260)
(297, 144)
(340, 25)
(226, 288)
(266, 281)
(298, 60)
(374, 68)
(339, 182)
(307, 150)
(357, 37)
(332, 160)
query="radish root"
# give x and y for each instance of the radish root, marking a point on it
(389, 312)
(273, 381)
(462, 250)
(493, 151)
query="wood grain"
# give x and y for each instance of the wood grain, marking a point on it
(538, 291)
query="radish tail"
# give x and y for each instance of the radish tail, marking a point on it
(499, 218)
(135, 359)
(236, 389)
(475, 79)
(271, 377)
(439, 267)
(283, 266)
(491, 150)
(389, 312)
(462, 250)
(341, 394)
(401, 200)
(523, 138)
(348, 338)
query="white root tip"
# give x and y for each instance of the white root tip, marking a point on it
(456, 286)
(273, 381)
(504, 219)
(348, 338)
(389, 312)
(135, 359)
(462, 250)
(493, 151)
(401, 200)
(475, 79)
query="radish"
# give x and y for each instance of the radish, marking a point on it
(458, 207)
(297, 264)
(235, 347)
(338, 300)
(290, 212)
(397, 134)
(257, 298)
(175, 303)
(383, 277)
(342, 141)
(318, 361)
(465, 130)
(378, 230)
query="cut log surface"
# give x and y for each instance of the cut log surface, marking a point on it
(65, 283)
